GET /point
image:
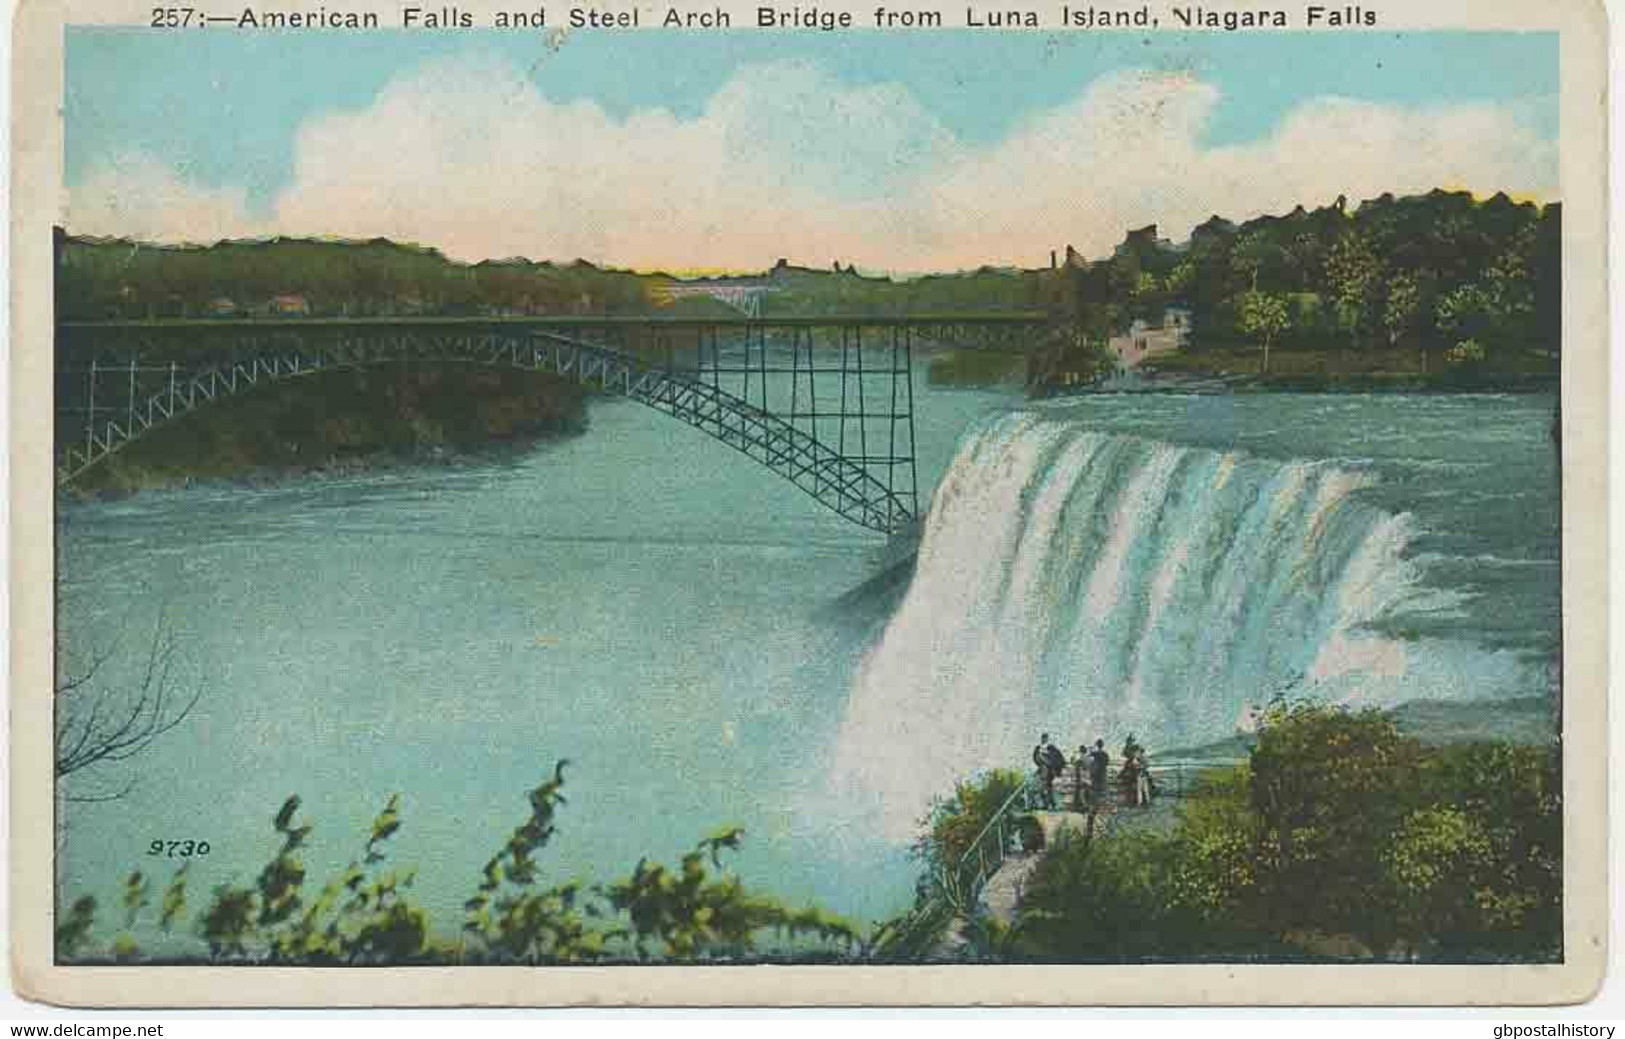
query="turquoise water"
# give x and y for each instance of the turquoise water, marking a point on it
(650, 605)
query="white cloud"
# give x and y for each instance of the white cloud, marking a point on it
(786, 161)
(136, 195)
(1129, 153)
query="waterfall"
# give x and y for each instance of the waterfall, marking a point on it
(1092, 584)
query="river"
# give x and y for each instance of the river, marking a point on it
(655, 608)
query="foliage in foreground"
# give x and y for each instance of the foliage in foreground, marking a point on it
(946, 879)
(364, 915)
(1340, 837)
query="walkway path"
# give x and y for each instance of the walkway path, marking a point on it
(1002, 893)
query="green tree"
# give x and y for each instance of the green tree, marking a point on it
(1438, 857)
(73, 927)
(360, 916)
(516, 920)
(1217, 876)
(1181, 278)
(1106, 900)
(173, 906)
(1253, 253)
(1467, 318)
(1513, 796)
(693, 913)
(1329, 787)
(1266, 318)
(1306, 258)
(1353, 273)
(1402, 306)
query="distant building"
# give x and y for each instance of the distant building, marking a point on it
(288, 306)
(1141, 241)
(1144, 340)
(221, 307)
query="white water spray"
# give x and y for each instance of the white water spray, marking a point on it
(1091, 584)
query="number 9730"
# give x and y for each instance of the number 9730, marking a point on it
(178, 849)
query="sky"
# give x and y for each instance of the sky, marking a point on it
(897, 151)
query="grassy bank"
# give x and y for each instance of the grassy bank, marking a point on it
(346, 419)
(1361, 370)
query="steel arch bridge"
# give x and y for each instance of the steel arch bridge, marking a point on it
(826, 403)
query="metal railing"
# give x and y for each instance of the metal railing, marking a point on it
(962, 883)
(989, 848)
(1175, 778)
(959, 887)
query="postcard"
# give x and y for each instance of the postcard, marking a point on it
(808, 503)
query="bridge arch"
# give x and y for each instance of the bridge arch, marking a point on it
(837, 481)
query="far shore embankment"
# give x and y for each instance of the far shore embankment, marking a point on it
(1349, 371)
(344, 421)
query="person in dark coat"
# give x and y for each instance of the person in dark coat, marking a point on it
(1131, 747)
(1043, 757)
(1099, 760)
(1055, 758)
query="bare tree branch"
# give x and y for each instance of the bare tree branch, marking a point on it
(101, 722)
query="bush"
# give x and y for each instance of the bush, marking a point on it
(953, 825)
(1338, 835)
(1506, 898)
(1329, 788)
(1105, 901)
(363, 916)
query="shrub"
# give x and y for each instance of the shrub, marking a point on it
(1329, 788)
(955, 823)
(363, 915)
(1106, 900)
(1338, 834)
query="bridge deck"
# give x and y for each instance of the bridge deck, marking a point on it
(1013, 318)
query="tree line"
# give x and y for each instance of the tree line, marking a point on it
(1444, 273)
(105, 279)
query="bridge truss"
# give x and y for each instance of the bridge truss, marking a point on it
(827, 404)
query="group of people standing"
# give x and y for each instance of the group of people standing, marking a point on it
(1090, 769)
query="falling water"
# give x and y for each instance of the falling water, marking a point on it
(1092, 584)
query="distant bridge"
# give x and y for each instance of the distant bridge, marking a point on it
(825, 402)
(744, 295)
